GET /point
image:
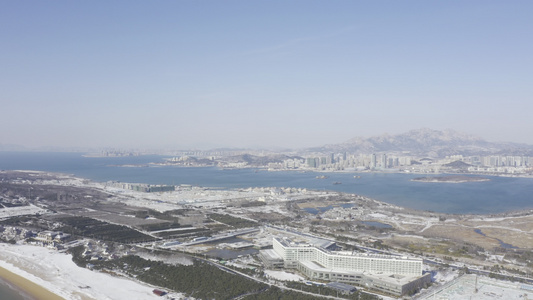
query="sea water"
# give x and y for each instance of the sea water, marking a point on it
(8, 292)
(500, 194)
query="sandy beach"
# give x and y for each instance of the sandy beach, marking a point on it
(34, 290)
(39, 270)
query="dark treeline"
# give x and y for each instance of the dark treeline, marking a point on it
(199, 280)
(202, 280)
(88, 227)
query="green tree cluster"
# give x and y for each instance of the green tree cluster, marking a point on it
(89, 227)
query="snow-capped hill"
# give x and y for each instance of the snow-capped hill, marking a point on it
(428, 142)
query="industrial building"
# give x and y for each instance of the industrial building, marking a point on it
(390, 274)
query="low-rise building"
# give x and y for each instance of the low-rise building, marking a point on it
(345, 289)
(50, 238)
(270, 258)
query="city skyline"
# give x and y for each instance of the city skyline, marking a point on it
(261, 75)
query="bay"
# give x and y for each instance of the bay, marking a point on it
(500, 194)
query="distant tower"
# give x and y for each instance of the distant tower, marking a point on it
(384, 161)
(311, 162)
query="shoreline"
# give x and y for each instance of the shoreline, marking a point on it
(450, 179)
(96, 183)
(383, 171)
(27, 287)
(57, 277)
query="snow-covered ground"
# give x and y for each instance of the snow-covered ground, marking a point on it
(8, 212)
(377, 216)
(464, 288)
(196, 196)
(282, 275)
(445, 276)
(57, 272)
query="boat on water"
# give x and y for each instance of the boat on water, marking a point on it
(322, 177)
(336, 182)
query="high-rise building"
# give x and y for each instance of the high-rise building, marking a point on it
(373, 161)
(392, 274)
(311, 162)
(383, 161)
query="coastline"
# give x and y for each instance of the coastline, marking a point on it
(450, 179)
(378, 171)
(27, 287)
(60, 276)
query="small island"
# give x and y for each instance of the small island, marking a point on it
(451, 179)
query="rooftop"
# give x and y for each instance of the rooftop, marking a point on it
(289, 243)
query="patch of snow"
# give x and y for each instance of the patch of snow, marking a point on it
(377, 216)
(30, 209)
(282, 275)
(57, 272)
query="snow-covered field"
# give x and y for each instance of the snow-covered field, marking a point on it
(282, 275)
(57, 272)
(8, 212)
(464, 288)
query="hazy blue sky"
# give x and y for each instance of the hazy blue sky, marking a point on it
(262, 73)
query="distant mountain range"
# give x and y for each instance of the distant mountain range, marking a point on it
(427, 142)
(420, 142)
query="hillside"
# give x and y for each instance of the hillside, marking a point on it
(427, 142)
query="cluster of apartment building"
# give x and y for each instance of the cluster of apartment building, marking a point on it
(341, 162)
(385, 161)
(498, 163)
(389, 274)
(141, 187)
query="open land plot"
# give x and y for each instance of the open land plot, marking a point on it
(89, 227)
(315, 204)
(113, 207)
(524, 223)
(511, 237)
(128, 220)
(471, 287)
(485, 234)
(459, 233)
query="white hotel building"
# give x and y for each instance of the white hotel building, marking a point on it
(390, 274)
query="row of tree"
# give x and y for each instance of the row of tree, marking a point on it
(232, 221)
(89, 227)
(323, 290)
(199, 280)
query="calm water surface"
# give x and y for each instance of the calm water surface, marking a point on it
(9, 293)
(500, 194)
